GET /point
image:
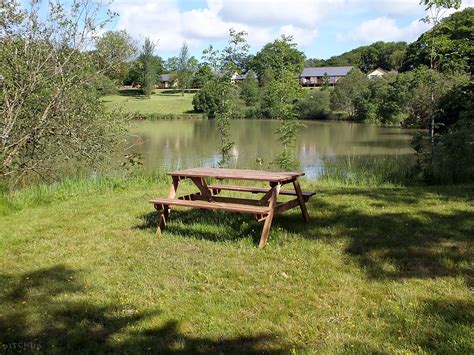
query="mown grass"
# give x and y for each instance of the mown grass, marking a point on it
(163, 102)
(380, 270)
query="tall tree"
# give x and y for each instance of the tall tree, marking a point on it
(149, 77)
(135, 69)
(184, 70)
(452, 38)
(350, 90)
(50, 114)
(202, 75)
(435, 11)
(114, 50)
(249, 90)
(218, 98)
(279, 100)
(279, 56)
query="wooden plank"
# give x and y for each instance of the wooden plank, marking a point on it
(301, 200)
(269, 219)
(256, 190)
(237, 200)
(233, 207)
(202, 186)
(284, 206)
(190, 197)
(239, 174)
(266, 198)
(166, 209)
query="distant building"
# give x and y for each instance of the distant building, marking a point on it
(166, 81)
(377, 73)
(239, 78)
(314, 76)
(236, 77)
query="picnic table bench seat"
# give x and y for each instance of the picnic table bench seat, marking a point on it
(217, 188)
(231, 207)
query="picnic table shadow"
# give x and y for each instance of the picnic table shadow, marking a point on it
(194, 224)
(390, 245)
(38, 320)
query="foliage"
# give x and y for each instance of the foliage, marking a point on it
(279, 100)
(219, 97)
(280, 56)
(209, 99)
(448, 45)
(279, 96)
(404, 99)
(426, 88)
(393, 93)
(114, 49)
(105, 85)
(148, 65)
(325, 82)
(136, 69)
(315, 105)
(386, 55)
(249, 90)
(454, 152)
(202, 75)
(184, 70)
(234, 54)
(349, 94)
(50, 116)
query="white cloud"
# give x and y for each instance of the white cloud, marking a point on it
(301, 13)
(302, 36)
(264, 20)
(384, 29)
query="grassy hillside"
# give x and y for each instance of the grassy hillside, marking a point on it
(380, 270)
(165, 102)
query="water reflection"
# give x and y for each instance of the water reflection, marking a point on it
(188, 143)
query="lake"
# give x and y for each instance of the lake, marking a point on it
(176, 144)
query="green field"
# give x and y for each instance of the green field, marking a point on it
(377, 270)
(163, 102)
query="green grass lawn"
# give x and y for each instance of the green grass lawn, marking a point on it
(377, 270)
(164, 102)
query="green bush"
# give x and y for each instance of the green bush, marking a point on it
(105, 86)
(315, 106)
(253, 112)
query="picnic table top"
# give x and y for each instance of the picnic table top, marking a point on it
(237, 174)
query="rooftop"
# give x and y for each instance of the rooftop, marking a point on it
(329, 71)
(165, 77)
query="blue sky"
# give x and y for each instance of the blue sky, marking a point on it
(321, 28)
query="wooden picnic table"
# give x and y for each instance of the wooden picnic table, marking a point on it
(207, 198)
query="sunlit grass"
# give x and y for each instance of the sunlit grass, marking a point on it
(164, 102)
(378, 270)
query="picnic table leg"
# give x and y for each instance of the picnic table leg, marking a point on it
(268, 220)
(166, 209)
(299, 196)
(203, 188)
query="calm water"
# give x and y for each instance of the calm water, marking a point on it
(170, 144)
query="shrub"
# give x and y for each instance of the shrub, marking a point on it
(315, 106)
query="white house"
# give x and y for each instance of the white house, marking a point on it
(377, 73)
